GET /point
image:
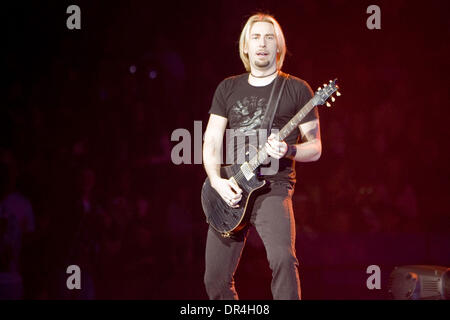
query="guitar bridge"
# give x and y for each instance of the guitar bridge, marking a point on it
(247, 171)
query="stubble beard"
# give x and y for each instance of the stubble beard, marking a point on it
(262, 64)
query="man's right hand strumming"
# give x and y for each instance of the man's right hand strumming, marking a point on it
(228, 190)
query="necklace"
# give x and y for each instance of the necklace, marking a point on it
(263, 76)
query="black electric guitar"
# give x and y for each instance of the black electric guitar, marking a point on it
(219, 214)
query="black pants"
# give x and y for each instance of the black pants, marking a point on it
(273, 218)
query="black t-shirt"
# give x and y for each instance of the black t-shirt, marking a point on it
(245, 105)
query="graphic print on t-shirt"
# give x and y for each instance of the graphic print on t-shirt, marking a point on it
(247, 114)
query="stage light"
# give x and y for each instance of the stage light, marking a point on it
(132, 69)
(419, 282)
(152, 74)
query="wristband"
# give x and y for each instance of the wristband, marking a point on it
(291, 152)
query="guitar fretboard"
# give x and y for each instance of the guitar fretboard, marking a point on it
(262, 155)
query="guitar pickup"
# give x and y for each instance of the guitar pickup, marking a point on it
(247, 171)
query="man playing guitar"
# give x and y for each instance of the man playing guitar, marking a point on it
(240, 103)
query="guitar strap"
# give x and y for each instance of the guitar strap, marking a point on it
(272, 105)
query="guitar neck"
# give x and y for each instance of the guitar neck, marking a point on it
(262, 155)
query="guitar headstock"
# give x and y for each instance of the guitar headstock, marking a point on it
(322, 94)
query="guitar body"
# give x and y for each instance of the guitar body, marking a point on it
(219, 214)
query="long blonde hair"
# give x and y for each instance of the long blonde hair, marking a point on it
(245, 35)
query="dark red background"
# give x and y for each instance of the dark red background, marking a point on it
(72, 111)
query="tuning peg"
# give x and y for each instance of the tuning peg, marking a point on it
(333, 99)
(338, 93)
(324, 85)
(328, 104)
